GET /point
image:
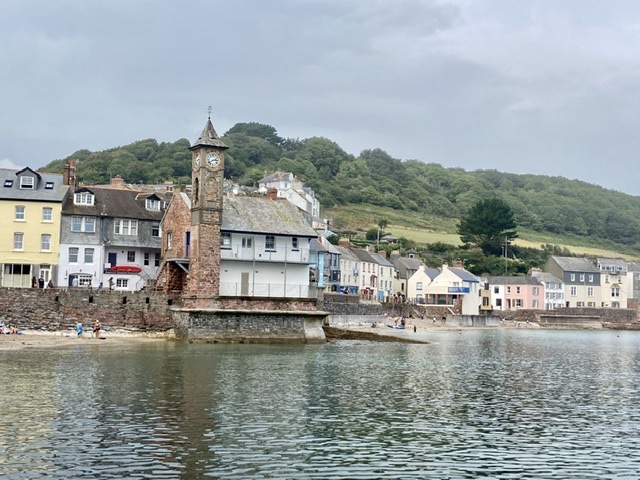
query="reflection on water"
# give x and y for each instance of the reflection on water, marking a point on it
(493, 404)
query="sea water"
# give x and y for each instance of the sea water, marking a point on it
(501, 404)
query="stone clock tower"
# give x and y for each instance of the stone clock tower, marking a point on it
(207, 175)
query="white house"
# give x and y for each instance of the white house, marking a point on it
(451, 287)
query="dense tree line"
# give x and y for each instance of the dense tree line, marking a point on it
(540, 203)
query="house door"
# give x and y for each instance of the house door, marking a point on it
(112, 259)
(244, 283)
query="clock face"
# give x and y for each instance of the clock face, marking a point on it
(213, 159)
(197, 161)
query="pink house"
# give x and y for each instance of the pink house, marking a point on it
(516, 293)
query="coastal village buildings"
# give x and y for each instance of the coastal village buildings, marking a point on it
(30, 206)
(349, 270)
(516, 293)
(452, 287)
(553, 289)
(325, 264)
(110, 237)
(387, 273)
(616, 283)
(287, 186)
(232, 246)
(418, 283)
(581, 279)
(404, 267)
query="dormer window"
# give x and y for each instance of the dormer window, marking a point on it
(153, 204)
(48, 186)
(27, 182)
(83, 198)
(8, 183)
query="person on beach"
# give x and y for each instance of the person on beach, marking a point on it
(79, 329)
(41, 282)
(50, 284)
(96, 328)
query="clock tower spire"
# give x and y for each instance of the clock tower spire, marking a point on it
(207, 177)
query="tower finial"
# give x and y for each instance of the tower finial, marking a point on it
(209, 110)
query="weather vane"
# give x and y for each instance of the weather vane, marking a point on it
(209, 110)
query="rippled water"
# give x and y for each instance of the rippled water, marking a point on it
(484, 404)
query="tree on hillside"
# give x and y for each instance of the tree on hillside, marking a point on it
(260, 130)
(488, 225)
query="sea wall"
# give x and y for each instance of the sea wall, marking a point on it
(249, 326)
(55, 309)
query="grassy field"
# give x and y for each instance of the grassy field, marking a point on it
(423, 230)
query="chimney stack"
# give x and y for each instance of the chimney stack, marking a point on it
(117, 182)
(69, 173)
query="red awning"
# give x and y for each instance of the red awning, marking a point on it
(125, 269)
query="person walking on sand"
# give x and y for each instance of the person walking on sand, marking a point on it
(79, 328)
(96, 328)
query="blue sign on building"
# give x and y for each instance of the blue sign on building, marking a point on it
(458, 290)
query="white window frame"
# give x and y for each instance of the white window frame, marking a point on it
(74, 252)
(86, 224)
(155, 230)
(294, 243)
(47, 214)
(153, 205)
(89, 255)
(20, 213)
(45, 242)
(131, 256)
(18, 241)
(125, 226)
(27, 182)
(85, 280)
(83, 198)
(122, 282)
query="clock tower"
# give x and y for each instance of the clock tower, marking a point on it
(207, 176)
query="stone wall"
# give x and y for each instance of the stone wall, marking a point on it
(573, 315)
(57, 309)
(229, 326)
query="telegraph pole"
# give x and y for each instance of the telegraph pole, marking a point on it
(506, 259)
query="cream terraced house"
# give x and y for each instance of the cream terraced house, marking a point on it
(30, 216)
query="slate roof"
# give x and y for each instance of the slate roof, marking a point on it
(464, 275)
(431, 272)
(380, 260)
(515, 280)
(113, 202)
(618, 264)
(209, 137)
(263, 215)
(346, 254)
(363, 255)
(403, 264)
(575, 264)
(546, 277)
(40, 193)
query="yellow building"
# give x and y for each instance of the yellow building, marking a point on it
(30, 214)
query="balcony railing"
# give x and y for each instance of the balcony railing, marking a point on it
(270, 290)
(279, 255)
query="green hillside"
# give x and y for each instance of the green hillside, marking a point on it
(421, 201)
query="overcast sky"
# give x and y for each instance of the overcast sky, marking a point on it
(536, 86)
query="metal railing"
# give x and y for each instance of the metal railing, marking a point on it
(269, 290)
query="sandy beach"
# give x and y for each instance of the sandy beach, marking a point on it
(31, 339)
